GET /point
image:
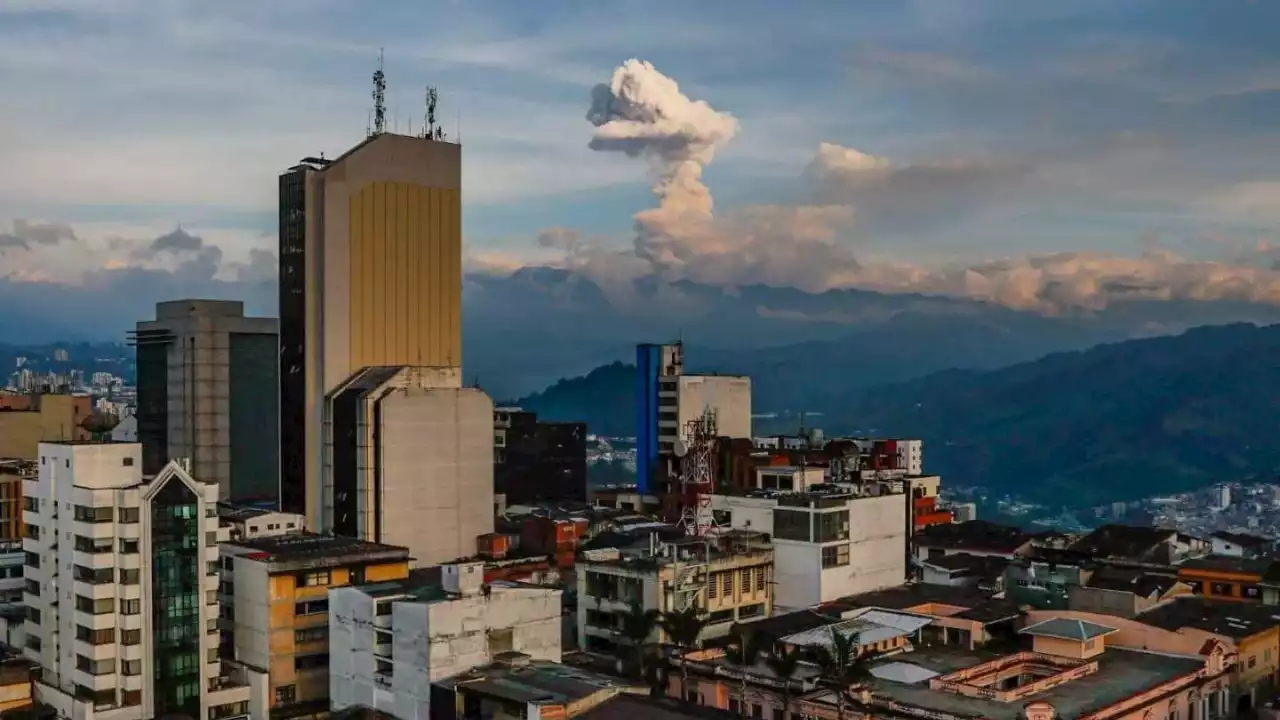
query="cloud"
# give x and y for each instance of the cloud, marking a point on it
(1248, 200)
(25, 234)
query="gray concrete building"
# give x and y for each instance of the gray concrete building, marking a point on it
(208, 392)
(409, 461)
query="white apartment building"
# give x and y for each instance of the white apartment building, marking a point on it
(389, 641)
(730, 578)
(122, 588)
(827, 543)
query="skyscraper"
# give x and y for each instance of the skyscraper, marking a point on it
(653, 364)
(207, 378)
(370, 275)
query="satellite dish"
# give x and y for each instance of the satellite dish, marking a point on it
(681, 449)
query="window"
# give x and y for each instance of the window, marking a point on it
(315, 634)
(760, 571)
(33, 615)
(1221, 588)
(84, 513)
(31, 559)
(750, 611)
(33, 532)
(1090, 644)
(32, 587)
(313, 579)
(1253, 660)
(211, 567)
(720, 616)
(101, 576)
(131, 667)
(726, 584)
(95, 607)
(127, 462)
(95, 667)
(95, 637)
(835, 556)
(210, 597)
(129, 547)
(311, 662)
(791, 525)
(501, 641)
(33, 642)
(131, 637)
(314, 607)
(130, 577)
(128, 514)
(832, 526)
(130, 607)
(286, 694)
(713, 587)
(30, 504)
(93, 545)
(131, 698)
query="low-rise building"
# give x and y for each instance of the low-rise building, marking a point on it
(828, 542)
(246, 523)
(963, 617)
(1226, 577)
(1123, 592)
(1241, 545)
(28, 420)
(977, 537)
(1140, 545)
(730, 578)
(391, 640)
(276, 619)
(516, 685)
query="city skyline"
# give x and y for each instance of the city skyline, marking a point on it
(885, 147)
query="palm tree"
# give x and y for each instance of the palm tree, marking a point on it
(783, 661)
(842, 665)
(637, 626)
(743, 652)
(683, 628)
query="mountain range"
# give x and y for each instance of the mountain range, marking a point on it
(1119, 421)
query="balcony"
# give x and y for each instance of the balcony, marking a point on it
(97, 560)
(94, 682)
(95, 652)
(95, 530)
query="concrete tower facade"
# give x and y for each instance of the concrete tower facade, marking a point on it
(207, 379)
(370, 275)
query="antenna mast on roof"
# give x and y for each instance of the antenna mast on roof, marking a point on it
(379, 99)
(431, 129)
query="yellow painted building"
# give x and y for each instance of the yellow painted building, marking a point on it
(28, 420)
(276, 608)
(370, 275)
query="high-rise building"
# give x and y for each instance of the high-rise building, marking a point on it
(538, 460)
(409, 461)
(370, 275)
(654, 363)
(207, 390)
(122, 588)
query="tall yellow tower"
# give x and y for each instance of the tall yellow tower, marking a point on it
(370, 275)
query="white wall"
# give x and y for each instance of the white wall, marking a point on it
(437, 471)
(911, 456)
(746, 513)
(797, 574)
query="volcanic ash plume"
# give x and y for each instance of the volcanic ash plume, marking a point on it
(642, 112)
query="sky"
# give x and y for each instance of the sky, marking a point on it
(1039, 155)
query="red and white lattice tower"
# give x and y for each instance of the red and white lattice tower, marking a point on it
(697, 480)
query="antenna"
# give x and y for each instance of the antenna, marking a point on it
(432, 129)
(379, 98)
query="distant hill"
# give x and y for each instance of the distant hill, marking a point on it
(1119, 421)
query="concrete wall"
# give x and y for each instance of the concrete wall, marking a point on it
(798, 572)
(878, 545)
(729, 396)
(47, 418)
(437, 471)
(383, 271)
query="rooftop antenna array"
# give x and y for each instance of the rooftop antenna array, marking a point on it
(431, 129)
(379, 99)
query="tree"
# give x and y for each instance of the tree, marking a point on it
(841, 666)
(637, 626)
(683, 628)
(743, 652)
(783, 662)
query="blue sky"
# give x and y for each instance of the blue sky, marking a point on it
(1116, 128)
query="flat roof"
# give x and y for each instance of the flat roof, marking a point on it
(1121, 673)
(1067, 629)
(1233, 619)
(518, 678)
(867, 628)
(306, 550)
(978, 606)
(241, 512)
(1229, 564)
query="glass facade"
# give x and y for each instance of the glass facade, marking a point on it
(293, 324)
(254, 418)
(177, 568)
(648, 367)
(153, 404)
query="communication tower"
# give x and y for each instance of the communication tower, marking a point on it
(694, 453)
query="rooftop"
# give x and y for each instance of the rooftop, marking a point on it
(1229, 564)
(1121, 673)
(1233, 619)
(1139, 582)
(1252, 542)
(241, 513)
(977, 605)
(1067, 629)
(304, 550)
(516, 677)
(868, 628)
(973, 535)
(1128, 542)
